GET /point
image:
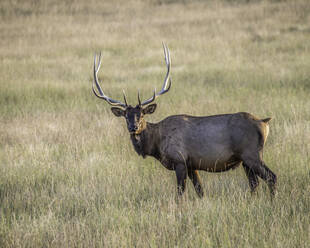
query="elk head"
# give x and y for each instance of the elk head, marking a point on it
(133, 115)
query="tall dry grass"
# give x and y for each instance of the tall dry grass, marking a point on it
(69, 176)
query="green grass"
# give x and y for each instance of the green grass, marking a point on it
(69, 176)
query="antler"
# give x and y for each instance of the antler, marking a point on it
(167, 80)
(101, 95)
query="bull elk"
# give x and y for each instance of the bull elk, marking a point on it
(187, 144)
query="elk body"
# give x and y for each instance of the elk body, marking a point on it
(187, 144)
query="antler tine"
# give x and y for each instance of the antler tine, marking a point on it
(168, 63)
(139, 100)
(101, 95)
(167, 79)
(147, 101)
(125, 98)
(95, 74)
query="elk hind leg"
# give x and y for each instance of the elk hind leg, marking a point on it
(270, 178)
(252, 177)
(194, 176)
(259, 168)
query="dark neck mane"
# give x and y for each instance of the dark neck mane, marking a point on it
(145, 142)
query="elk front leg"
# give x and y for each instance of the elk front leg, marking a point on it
(181, 173)
(194, 176)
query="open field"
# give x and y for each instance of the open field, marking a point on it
(69, 176)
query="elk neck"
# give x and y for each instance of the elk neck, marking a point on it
(145, 142)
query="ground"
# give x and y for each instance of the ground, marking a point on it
(69, 176)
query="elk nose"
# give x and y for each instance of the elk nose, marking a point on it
(133, 129)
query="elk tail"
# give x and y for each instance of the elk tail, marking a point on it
(266, 120)
(264, 131)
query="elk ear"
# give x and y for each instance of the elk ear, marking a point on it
(150, 109)
(118, 112)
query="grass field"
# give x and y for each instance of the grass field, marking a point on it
(69, 176)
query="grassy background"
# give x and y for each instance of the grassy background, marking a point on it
(69, 176)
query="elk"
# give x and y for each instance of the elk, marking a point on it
(187, 144)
